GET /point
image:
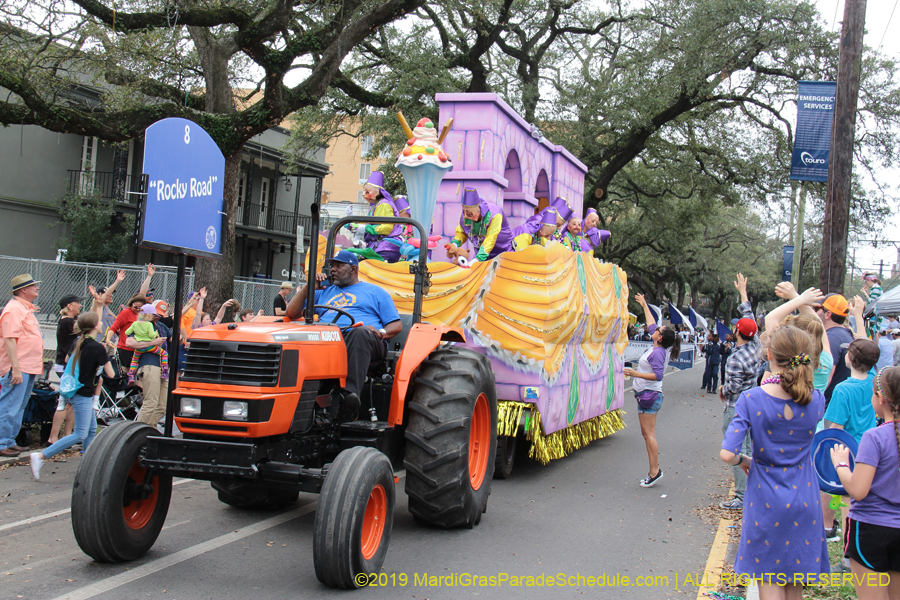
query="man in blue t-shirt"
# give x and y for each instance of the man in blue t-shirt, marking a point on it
(367, 304)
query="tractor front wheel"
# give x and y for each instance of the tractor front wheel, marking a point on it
(451, 438)
(118, 507)
(354, 518)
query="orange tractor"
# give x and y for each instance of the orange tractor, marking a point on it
(257, 406)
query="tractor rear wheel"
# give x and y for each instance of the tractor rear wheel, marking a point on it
(354, 518)
(506, 456)
(451, 438)
(118, 508)
(252, 497)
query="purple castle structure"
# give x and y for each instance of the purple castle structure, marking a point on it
(493, 151)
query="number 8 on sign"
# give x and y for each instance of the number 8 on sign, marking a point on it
(187, 134)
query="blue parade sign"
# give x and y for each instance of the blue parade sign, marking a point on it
(788, 267)
(812, 137)
(182, 211)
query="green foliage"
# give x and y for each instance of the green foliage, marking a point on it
(94, 234)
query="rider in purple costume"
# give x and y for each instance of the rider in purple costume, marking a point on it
(383, 206)
(484, 225)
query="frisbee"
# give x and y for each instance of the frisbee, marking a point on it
(823, 442)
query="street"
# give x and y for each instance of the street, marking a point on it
(581, 515)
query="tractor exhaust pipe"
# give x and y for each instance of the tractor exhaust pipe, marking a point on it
(313, 257)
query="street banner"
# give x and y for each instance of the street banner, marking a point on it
(636, 349)
(788, 267)
(812, 135)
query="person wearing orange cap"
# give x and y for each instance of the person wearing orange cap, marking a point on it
(833, 311)
(740, 375)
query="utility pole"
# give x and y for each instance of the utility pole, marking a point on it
(798, 237)
(840, 164)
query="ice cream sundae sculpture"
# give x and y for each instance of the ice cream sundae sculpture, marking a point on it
(423, 164)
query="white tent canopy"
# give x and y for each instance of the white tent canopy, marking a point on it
(888, 304)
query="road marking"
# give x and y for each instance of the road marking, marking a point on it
(110, 583)
(716, 561)
(62, 512)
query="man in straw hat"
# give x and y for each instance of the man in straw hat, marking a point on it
(483, 225)
(21, 359)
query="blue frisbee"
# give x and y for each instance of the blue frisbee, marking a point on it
(823, 442)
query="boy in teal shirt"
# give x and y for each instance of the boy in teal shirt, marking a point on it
(851, 402)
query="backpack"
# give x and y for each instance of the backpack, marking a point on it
(69, 383)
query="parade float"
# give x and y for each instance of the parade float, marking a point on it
(552, 322)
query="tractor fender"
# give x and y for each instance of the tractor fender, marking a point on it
(423, 339)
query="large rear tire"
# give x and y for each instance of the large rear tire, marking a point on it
(354, 518)
(247, 496)
(117, 513)
(451, 438)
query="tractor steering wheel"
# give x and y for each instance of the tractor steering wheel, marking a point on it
(340, 312)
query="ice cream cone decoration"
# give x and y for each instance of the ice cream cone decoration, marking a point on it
(423, 164)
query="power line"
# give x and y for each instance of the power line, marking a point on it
(886, 26)
(834, 20)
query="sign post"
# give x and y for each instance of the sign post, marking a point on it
(182, 210)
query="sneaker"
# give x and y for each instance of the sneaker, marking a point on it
(36, 463)
(733, 504)
(649, 481)
(833, 534)
(841, 567)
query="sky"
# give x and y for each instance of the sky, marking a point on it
(881, 29)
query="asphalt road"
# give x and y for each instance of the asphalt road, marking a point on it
(584, 514)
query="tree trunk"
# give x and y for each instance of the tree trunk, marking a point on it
(217, 276)
(214, 274)
(729, 309)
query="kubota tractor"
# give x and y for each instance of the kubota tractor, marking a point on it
(257, 406)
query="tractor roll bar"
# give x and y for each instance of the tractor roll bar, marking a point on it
(418, 269)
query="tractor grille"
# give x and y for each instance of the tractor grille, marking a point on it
(233, 363)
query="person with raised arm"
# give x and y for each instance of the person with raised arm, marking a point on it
(648, 379)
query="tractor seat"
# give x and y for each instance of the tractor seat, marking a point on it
(396, 343)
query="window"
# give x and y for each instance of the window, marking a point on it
(242, 183)
(88, 164)
(264, 190)
(365, 169)
(367, 142)
(386, 152)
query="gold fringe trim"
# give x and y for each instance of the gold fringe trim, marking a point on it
(509, 413)
(558, 444)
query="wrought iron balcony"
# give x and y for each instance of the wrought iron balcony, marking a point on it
(123, 189)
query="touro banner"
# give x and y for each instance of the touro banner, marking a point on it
(812, 137)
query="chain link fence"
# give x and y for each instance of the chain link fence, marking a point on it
(61, 278)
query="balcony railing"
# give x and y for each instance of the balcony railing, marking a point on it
(107, 185)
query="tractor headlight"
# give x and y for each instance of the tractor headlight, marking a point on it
(190, 406)
(234, 410)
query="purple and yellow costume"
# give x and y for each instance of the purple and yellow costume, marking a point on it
(490, 235)
(376, 234)
(526, 234)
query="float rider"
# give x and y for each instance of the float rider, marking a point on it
(592, 236)
(536, 231)
(383, 206)
(483, 225)
(565, 213)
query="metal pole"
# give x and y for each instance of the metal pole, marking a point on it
(173, 350)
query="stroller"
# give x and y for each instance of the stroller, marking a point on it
(118, 400)
(40, 410)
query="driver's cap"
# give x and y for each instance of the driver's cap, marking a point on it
(345, 256)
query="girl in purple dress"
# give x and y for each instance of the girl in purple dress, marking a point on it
(782, 531)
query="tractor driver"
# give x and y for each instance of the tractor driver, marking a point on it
(368, 304)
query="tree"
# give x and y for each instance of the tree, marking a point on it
(96, 233)
(154, 59)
